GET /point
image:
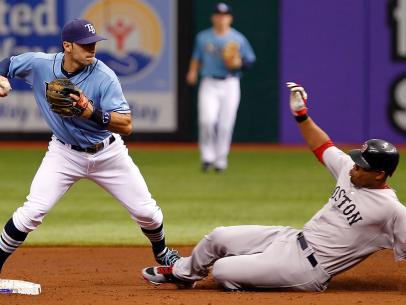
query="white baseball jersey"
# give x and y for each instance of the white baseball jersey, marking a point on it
(355, 222)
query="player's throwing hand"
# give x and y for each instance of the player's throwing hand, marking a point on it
(4, 86)
(298, 99)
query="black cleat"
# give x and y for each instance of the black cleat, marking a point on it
(205, 167)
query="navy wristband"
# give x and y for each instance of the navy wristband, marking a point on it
(100, 117)
(301, 118)
(4, 66)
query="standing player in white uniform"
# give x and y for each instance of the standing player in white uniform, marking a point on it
(219, 90)
(88, 146)
(362, 216)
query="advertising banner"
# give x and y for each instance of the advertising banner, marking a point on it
(141, 49)
(351, 57)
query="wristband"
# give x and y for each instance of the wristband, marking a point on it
(100, 117)
(301, 118)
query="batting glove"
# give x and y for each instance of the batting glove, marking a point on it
(298, 99)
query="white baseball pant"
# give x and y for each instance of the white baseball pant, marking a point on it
(218, 102)
(111, 168)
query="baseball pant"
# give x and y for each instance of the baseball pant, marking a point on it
(111, 168)
(253, 257)
(218, 102)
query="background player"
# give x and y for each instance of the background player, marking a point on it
(363, 215)
(220, 53)
(81, 147)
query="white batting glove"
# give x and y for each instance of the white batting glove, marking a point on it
(298, 99)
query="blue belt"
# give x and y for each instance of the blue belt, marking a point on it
(91, 149)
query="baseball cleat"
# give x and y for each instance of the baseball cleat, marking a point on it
(205, 167)
(163, 275)
(168, 258)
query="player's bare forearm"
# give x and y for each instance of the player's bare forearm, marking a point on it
(312, 133)
(314, 136)
(194, 65)
(191, 77)
(120, 123)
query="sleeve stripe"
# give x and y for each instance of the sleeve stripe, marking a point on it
(318, 152)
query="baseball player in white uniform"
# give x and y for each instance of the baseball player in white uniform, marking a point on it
(219, 90)
(86, 146)
(362, 216)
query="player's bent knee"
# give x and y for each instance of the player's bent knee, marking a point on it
(222, 276)
(149, 219)
(219, 235)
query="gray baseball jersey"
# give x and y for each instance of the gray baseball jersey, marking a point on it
(355, 222)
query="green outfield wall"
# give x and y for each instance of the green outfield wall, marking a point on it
(257, 119)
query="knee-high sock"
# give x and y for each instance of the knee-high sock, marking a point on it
(11, 238)
(157, 239)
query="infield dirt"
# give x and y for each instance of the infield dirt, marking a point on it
(111, 276)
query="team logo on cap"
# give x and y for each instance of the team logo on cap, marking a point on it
(222, 7)
(134, 33)
(90, 28)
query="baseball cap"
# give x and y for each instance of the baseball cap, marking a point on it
(80, 31)
(376, 154)
(222, 8)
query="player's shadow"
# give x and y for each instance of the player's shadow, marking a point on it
(339, 284)
(363, 284)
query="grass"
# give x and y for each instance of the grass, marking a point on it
(260, 187)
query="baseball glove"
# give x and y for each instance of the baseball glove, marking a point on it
(231, 55)
(57, 94)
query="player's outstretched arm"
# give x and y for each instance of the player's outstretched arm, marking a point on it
(314, 136)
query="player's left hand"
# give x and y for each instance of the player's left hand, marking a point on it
(298, 99)
(66, 99)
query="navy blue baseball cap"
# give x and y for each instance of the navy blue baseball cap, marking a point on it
(80, 31)
(222, 8)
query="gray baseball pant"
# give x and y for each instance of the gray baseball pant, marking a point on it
(254, 257)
